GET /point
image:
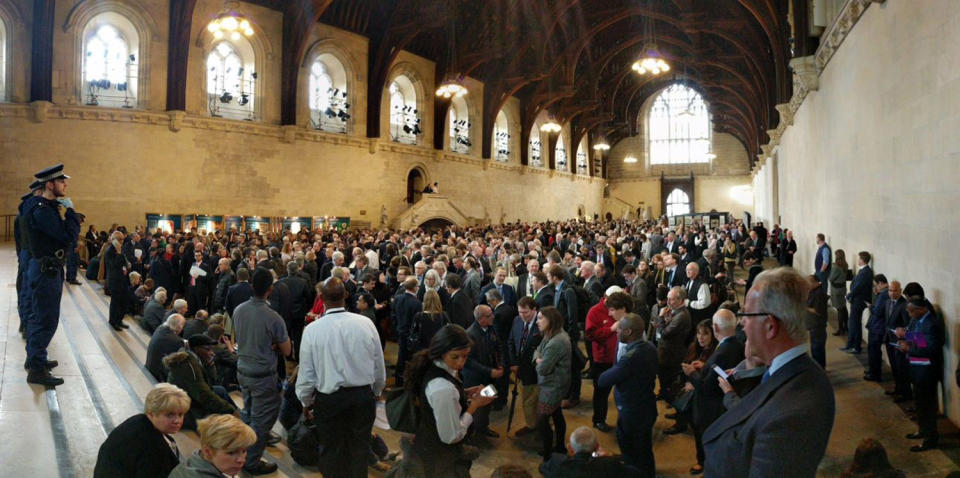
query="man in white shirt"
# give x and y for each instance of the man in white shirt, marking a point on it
(341, 373)
(698, 292)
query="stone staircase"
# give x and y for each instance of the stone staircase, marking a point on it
(430, 206)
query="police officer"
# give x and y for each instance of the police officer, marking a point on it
(50, 236)
(22, 240)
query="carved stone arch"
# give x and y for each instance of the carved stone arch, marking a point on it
(147, 33)
(351, 68)
(511, 111)
(17, 46)
(408, 70)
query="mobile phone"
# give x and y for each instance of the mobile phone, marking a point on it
(720, 372)
(489, 391)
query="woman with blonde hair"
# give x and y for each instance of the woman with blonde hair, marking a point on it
(224, 440)
(427, 322)
(142, 446)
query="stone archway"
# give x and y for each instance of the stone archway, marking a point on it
(416, 181)
(436, 223)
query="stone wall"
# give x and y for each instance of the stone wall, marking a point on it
(873, 156)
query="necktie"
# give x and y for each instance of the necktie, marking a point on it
(766, 375)
(689, 287)
(523, 338)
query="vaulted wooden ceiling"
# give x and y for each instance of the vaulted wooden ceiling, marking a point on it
(573, 57)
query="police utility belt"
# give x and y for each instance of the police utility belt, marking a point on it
(51, 264)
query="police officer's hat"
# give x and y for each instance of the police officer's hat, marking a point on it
(26, 196)
(50, 174)
(33, 187)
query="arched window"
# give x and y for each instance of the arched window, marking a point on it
(582, 156)
(3, 61)
(678, 203)
(327, 84)
(560, 154)
(679, 127)
(535, 147)
(501, 138)
(110, 56)
(459, 126)
(231, 80)
(404, 117)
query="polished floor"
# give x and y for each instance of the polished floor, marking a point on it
(57, 432)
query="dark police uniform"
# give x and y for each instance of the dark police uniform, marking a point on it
(22, 240)
(49, 236)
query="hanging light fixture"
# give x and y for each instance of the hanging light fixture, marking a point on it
(711, 156)
(630, 159)
(601, 145)
(452, 85)
(230, 23)
(651, 60)
(551, 126)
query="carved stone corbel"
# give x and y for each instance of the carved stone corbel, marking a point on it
(176, 120)
(289, 133)
(38, 110)
(786, 114)
(806, 70)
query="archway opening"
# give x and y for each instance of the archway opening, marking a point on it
(415, 184)
(678, 202)
(435, 224)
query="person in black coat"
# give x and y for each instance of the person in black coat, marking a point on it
(459, 307)
(301, 300)
(240, 292)
(163, 270)
(197, 283)
(897, 317)
(225, 279)
(142, 446)
(708, 396)
(523, 341)
(484, 365)
(153, 311)
(405, 307)
(633, 378)
(503, 315)
(860, 295)
(116, 268)
(164, 341)
(584, 461)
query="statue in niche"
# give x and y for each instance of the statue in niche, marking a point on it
(383, 216)
(503, 216)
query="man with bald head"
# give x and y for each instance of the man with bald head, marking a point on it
(708, 396)
(484, 365)
(341, 374)
(782, 427)
(896, 317)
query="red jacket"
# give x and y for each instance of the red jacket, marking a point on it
(598, 331)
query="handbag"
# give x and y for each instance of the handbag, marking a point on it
(402, 412)
(683, 402)
(303, 442)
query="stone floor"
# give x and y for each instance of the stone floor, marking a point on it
(57, 432)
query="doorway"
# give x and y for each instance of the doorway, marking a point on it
(416, 181)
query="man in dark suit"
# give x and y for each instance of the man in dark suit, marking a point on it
(225, 278)
(923, 342)
(673, 275)
(602, 254)
(859, 296)
(240, 292)
(675, 326)
(633, 378)
(503, 315)
(877, 328)
(523, 341)
(164, 341)
(591, 282)
(460, 305)
(327, 268)
(405, 307)
(794, 402)
(525, 286)
(506, 290)
(896, 317)
(752, 264)
(543, 292)
(301, 301)
(565, 300)
(583, 460)
(484, 366)
(708, 396)
(670, 244)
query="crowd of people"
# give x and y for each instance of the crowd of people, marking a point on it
(657, 311)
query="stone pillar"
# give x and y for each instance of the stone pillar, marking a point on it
(41, 51)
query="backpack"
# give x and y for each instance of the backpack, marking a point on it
(585, 300)
(303, 443)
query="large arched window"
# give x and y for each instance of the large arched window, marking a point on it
(501, 138)
(231, 80)
(110, 62)
(679, 127)
(3, 61)
(459, 126)
(678, 203)
(404, 117)
(582, 157)
(535, 147)
(328, 100)
(560, 154)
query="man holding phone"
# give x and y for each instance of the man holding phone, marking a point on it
(484, 366)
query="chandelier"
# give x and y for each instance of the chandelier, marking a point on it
(451, 87)
(551, 126)
(230, 22)
(630, 159)
(601, 146)
(650, 61)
